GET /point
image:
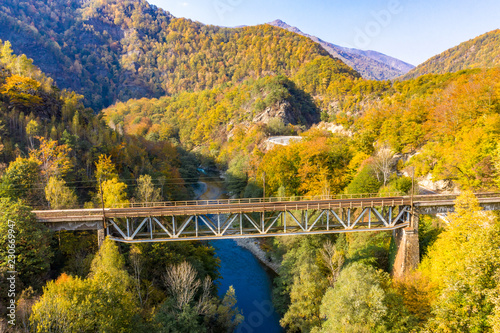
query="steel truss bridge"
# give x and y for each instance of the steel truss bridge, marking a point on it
(220, 219)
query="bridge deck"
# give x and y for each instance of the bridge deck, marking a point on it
(228, 206)
(211, 207)
(217, 219)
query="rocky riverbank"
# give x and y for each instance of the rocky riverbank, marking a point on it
(253, 246)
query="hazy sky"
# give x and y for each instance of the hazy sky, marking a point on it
(410, 30)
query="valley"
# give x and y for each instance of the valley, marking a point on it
(116, 103)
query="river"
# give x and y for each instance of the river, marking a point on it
(250, 279)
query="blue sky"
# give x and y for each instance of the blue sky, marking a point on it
(410, 30)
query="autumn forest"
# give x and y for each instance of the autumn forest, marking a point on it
(111, 102)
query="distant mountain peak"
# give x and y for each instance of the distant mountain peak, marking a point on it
(370, 64)
(278, 22)
(282, 24)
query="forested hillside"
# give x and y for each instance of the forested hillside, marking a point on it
(443, 125)
(36, 118)
(179, 98)
(480, 52)
(208, 117)
(116, 50)
(57, 154)
(451, 120)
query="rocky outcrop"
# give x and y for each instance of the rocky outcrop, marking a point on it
(440, 186)
(287, 112)
(333, 128)
(253, 246)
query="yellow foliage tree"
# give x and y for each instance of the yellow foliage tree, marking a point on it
(146, 191)
(52, 158)
(59, 195)
(32, 129)
(21, 90)
(114, 193)
(462, 264)
(105, 169)
(101, 303)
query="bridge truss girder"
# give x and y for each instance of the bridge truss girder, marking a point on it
(256, 224)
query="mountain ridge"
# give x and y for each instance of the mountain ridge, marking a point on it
(370, 64)
(479, 52)
(115, 50)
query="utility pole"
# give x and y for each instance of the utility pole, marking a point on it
(412, 193)
(102, 196)
(101, 232)
(264, 181)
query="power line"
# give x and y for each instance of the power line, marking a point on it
(16, 187)
(156, 181)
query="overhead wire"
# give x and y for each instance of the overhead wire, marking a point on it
(14, 187)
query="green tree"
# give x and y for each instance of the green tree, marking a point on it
(299, 254)
(364, 182)
(356, 303)
(191, 306)
(102, 302)
(237, 174)
(156, 256)
(146, 191)
(32, 242)
(186, 320)
(363, 301)
(370, 248)
(59, 195)
(20, 180)
(227, 315)
(401, 185)
(276, 126)
(306, 293)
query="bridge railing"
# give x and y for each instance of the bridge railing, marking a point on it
(417, 198)
(68, 213)
(434, 197)
(451, 196)
(256, 200)
(240, 201)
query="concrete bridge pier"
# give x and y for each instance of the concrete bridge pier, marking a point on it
(101, 235)
(408, 250)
